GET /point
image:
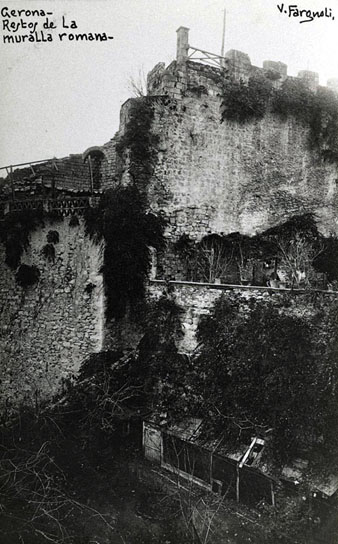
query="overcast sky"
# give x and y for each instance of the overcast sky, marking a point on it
(59, 98)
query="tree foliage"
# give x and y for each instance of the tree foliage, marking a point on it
(262, 365)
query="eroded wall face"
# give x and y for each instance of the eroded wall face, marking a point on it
(214, 176)
(197, 301)
(46, 330)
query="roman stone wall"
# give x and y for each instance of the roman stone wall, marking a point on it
(46, 330)
(214, 176)
(196, 300)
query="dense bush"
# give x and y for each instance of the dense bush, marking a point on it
(27, 275)
(243, 102)
(74, 221)
(262, 367)
(53, 237)
(293, 98)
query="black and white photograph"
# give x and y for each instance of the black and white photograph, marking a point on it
(169, 272)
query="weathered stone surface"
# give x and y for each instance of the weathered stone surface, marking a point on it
(40, 326)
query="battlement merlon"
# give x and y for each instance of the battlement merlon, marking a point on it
(194, 68)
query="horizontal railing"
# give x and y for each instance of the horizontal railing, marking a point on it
(207, 57)
(63, 206)
(232, 287)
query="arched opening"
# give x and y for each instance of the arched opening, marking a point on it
(94, 156)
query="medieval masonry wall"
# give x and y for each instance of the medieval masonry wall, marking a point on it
(197, 300)
(226, 177)
(209, 177)
(214, 176)
(222, 177)
(46, 330)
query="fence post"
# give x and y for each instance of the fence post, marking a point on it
(237, 483)
(12, 182)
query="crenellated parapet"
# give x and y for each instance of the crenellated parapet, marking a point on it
(195, 67)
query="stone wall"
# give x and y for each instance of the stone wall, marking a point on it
(196, 300)
(48, 329)
(223, 177)
(214, 176)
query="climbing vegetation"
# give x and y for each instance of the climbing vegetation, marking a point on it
(53, 237)
(15, 232)
(247, 101)
(27, 275)
(16, 228)
(139, 141)
(243, 102)
(129, 230)
(123, 218)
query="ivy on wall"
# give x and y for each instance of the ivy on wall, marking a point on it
(123, 218)
(15, 232)
(128, 230)
(139, 142)
(16, 228)
(27, 275)
(243, 102)
(247, 101)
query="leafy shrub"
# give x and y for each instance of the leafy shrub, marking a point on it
(74, 221)
(243, 102)
(53, 237)
(27, 275)
(293, 98)
(263, 367)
